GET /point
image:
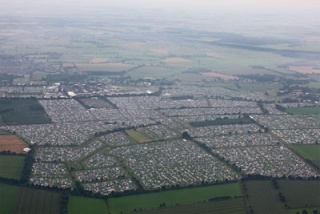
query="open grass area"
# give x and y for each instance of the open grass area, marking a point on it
(301, 210)
(311, 152)
(301, 194)
(82, 205)
(36, 201)
(230, 206)
(8, 198)
(3, 132)
(11, 166)
(138, 136)
(22, 111)
(263, 198)
(172, 198)
(303, 110)
(219, 122)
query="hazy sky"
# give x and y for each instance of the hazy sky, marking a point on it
(295, 6)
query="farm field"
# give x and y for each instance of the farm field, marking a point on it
(303, 110)
(11, 166)
(263, 198)
(82, 205)
(300, 194)
(230, 206)
(8, 198)
(12, 143)
(172, 198)
(138, 136)
(34, 201)
(22, 111)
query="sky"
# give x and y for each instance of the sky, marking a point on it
(232, 6)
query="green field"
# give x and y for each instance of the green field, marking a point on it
(172, 198)
(263, 198)
(8, 198)
(138, 136)
(231, 206)
(11, 166)
(311, 152)
(82, 205)
(22, 111)
(300, 211)
(301, 194)
(219, 122)
(303, 110)
(34, 201)
(3, 132)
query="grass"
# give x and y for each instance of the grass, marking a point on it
(300, 193)
(38, 75)
(231, 206)
(82, 205)
(8, 198)
(38, 201)
(138, 136)
(311, 152)
(172, 198)
(219, 122)
(3, 132)
(309, 210)
(74, 165)
(22, 111)
(104, 67)
(303, 110)
(11, 166)
(263, 198)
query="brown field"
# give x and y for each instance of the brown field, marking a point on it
(12, 143)
(67, 65)
(176, 59)
(160, 50)
(99, 60)
(222, 76)
(304, 69)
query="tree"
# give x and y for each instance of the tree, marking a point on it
(185, 135)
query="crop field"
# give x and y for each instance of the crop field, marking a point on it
(24, 111)
(230, 206)
(12, 143)
(8, 198)
(11, 166)
(171, 198)
(138, 136)
(303, 110)
(264, 198)
(35, 201)
(301, 194)
(82, 205)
